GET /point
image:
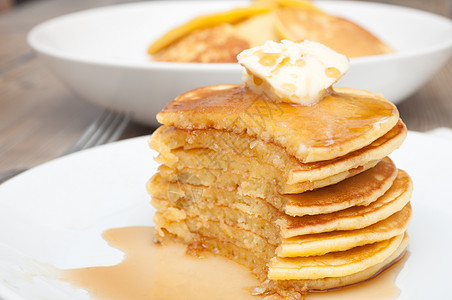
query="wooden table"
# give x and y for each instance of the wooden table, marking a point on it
(40, 118)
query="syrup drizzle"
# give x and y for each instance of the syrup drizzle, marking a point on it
(165, 272)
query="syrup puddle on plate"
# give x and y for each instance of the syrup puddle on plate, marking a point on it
(164, 272)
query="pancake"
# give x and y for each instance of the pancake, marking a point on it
(354, 217)
(247, 185)
(220, 37)
(209, 21)
(361, 189)
(335, 264)
(187, 194)
(341, 123)
(295, 178)
(205, 159)
(169, 141)
(322, 243)
(257, 29)
(231, 217)
(299, 287)
(337, 33)
(214, 44)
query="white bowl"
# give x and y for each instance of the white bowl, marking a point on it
(101, 53)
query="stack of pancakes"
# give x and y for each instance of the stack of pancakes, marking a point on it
(305, 196)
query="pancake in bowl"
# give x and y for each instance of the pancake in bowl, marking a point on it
(220, 37)
(337, 33)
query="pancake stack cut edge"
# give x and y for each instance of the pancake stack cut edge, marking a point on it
(305, 196)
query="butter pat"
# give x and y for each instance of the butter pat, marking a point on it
(292, 72)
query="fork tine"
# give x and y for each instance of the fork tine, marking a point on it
(110, 130)
(107, 128)
(124, 121)
(87, 135)
(103, 131)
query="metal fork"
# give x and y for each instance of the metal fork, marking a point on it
(107, 128)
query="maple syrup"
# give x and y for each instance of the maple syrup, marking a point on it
(152, 271)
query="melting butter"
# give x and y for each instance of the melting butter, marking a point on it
(300, 73)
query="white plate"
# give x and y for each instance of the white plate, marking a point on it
(101, 53)
(55, 214)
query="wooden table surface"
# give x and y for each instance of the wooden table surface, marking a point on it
(40, 118)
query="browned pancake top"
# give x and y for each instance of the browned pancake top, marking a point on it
(343, 122)
(337, 33)
(399, 192)
(397, 132)
(218, 44)
(361, 189)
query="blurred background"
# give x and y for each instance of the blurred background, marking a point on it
(40, 118)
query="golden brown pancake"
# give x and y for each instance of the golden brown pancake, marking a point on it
(214, 44)
(337, 33)
(247, 185)
(354, 217)
(220, 37)
(334, 282)
(257, 30)
(169, 141)
(322, 243)
(361, 189)
(230, 217)
(214, 166)
(341, 123)
(209, 21)
(188, 194)
(334, 264)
